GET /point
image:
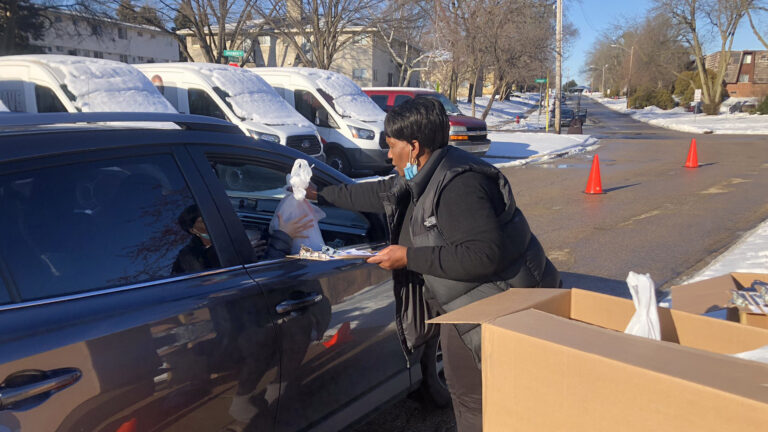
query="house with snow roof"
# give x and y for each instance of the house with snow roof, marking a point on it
(76, 34)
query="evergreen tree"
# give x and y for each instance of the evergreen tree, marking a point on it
(21, 22)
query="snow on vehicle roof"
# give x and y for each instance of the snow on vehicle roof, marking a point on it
(104, 85)
(347, 98)
(251, 97)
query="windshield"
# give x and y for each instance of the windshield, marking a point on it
(450, 108)
(346, 98)
(95, 85)
(250, 97)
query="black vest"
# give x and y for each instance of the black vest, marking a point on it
(525, 264)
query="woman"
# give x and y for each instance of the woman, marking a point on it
(456, 237)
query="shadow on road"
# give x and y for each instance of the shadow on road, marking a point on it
(599, 284)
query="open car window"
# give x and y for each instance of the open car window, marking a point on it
(255, 188)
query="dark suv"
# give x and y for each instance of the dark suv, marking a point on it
(104, 330)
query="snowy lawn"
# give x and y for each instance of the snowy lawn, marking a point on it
(503, 113)
(679, 119)
(514, 149)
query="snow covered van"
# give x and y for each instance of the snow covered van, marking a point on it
(235, 95)
(57, 83)
(350, 123)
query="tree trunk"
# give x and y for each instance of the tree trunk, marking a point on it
(490, 101)
(9, 38)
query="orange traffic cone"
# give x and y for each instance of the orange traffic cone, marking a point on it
(594, 186)
(693, 158)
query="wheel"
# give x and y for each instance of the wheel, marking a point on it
(434, 388)
(338, 161)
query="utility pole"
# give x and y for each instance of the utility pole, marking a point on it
(629, 78)
(559, 64)
(602, 86)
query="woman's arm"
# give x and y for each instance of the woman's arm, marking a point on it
(363, 197)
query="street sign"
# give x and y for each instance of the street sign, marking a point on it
(541, 80)
(697, 95)
(233, 53)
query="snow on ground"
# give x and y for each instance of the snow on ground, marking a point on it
(519, 148)
(748, 255)
(503, 113)
(679, 119)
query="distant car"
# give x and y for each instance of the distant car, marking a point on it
(116, 315)
(468, 133)
(567, 115)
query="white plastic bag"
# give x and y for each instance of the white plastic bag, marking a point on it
(645, 321)
(294, 206)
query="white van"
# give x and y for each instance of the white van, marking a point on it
(350, 123)
(57, 83)
(235, 95)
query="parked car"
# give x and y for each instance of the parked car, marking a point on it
(567, 115)
(238, 96)
(44, 83)
(105, 330)
(468, 133)
(351, 125)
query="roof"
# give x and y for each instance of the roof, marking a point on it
(103, 19)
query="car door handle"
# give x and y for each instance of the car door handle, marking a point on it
(10, 396)
(292, 305)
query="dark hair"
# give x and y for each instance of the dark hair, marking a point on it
(188, 217)
(422, 119)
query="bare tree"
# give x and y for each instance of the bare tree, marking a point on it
(757, 8)
(319, 29)
(719, 16)
(404, 35)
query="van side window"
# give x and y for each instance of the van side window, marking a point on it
(401, 98)
(202, 104)
(47, 101)
(92, 225)
(256, 188)
(381, 101)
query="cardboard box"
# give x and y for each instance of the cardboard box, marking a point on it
(558, 360)
(715, 293)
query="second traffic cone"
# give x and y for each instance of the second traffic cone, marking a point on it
(594, 185)
(693, 158)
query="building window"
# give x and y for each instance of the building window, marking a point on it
(390, 79)
(98, 54)
(744, 78)
(124, 58)
(59, 48)
(763, 58)
(141, 59)
(195, 42)
(375, 75)
(265, 40)
(360, 74)
(361, 39)
(747, 58)
(72, 52)
(122, 33)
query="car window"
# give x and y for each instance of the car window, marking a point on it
(92, 225)
(255, 189)
(47, 101)
(401, 98)
(381, 101)
(5, 296)
(202, 103)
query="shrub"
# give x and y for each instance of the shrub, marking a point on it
(762, 108)
(646, 96)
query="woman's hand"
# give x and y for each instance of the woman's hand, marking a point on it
(391, 257)
(311, 192)
(294, 228)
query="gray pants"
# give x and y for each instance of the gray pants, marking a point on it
(464, 380)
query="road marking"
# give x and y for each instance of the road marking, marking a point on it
(720, 188)
(642, 216)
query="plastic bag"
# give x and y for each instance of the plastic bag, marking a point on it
(645, 321)
(295, 205)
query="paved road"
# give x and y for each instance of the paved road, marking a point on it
(656, 216)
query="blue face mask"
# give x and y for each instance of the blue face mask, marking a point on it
(410, 170)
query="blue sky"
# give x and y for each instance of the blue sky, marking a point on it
(592, 17)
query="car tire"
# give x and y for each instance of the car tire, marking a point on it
(434, 389)
(338, 161)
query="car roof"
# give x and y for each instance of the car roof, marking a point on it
(30, 135)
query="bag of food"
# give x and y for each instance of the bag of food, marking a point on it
(295, 205)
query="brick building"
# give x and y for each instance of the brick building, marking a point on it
(746, 74)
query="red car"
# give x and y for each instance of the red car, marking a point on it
(467, 132)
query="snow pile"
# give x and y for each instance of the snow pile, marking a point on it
(346, 96)
(513, 149)
(106, 86)
(504, 113)
(748, 255)
(250, 97)
(679, 119)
